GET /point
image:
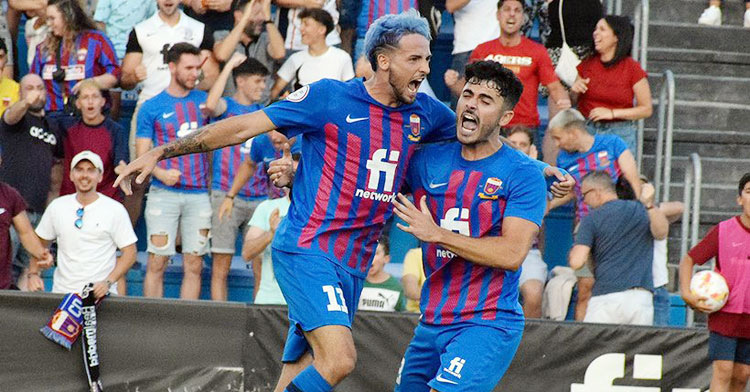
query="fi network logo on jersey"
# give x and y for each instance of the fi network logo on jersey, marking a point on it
(382, 163)
(456, 219)
(605, 369)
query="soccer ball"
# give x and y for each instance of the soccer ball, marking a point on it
(711, 285)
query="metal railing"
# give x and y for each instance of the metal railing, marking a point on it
(614, 7)
(691, 214)
(640, 39)
(665, 130)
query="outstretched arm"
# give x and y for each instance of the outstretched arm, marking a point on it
(230, 131)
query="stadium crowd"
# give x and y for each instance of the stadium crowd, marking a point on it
(108, 80)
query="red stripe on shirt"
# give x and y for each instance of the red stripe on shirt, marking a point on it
(324, 191)
(346, 196)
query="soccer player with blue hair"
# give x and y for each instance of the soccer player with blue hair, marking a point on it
(357, 139)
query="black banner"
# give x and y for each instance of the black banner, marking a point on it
(158, 345)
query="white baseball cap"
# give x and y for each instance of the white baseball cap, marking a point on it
(90, 156)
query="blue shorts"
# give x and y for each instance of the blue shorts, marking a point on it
(451, 358)
(725, 348)
(318, 292)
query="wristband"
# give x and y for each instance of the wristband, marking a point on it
(265, 22)
(229, 197)
(33, 273)
(109, 283)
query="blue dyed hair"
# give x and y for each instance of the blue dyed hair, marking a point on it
(386, 32)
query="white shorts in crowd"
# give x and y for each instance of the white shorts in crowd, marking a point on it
(631, 307)
(533, 268)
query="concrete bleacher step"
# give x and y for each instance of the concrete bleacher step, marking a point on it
(682, 61)
(705, 139)
(718, 170)
(687, 11)
(697, 87)
(720, 116)
(668, 34)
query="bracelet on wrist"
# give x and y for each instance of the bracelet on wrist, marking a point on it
(229, 197)
(33, 273)
(109, 283)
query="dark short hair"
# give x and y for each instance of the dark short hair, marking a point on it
(500, 3)
(623, 30)
(177, 50)
(249, 67)
(743, 181)
(521, 129)
(385, 242)
(2, 46)
(319, 15)
(506, 81)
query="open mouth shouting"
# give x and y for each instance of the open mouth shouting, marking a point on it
(469, 123)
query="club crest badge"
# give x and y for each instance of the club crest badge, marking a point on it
(491, 187)
(81, 54)
(415, 123)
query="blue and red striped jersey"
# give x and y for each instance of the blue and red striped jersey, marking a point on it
(472, 198)
(355, 152)
(373, 9)
(165, 118)
(225, 161)
(603, 155)
(92, 55)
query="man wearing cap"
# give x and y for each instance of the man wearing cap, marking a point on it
(89, 227)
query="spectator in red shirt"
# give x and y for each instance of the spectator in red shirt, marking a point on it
(608, 82)
(95, 132)
(526, 58)
(729, 342)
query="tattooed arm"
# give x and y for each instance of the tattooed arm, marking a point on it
(233, 130)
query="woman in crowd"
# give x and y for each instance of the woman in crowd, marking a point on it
(729, 339)
(608, 81)
(83, 51)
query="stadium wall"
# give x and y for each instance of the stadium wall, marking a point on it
(166, 345)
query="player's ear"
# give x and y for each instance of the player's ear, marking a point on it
(506, 117)
(384, 61)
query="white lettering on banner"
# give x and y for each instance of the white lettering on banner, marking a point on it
(602, 371)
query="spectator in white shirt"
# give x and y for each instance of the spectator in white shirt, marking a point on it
(89, 229)
(318, 61)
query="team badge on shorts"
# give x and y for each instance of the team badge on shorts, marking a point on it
(416, 128)
(299, 94)
(491, 187)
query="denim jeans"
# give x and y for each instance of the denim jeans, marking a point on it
(626, 130)
(661, 306)
(20, 257)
